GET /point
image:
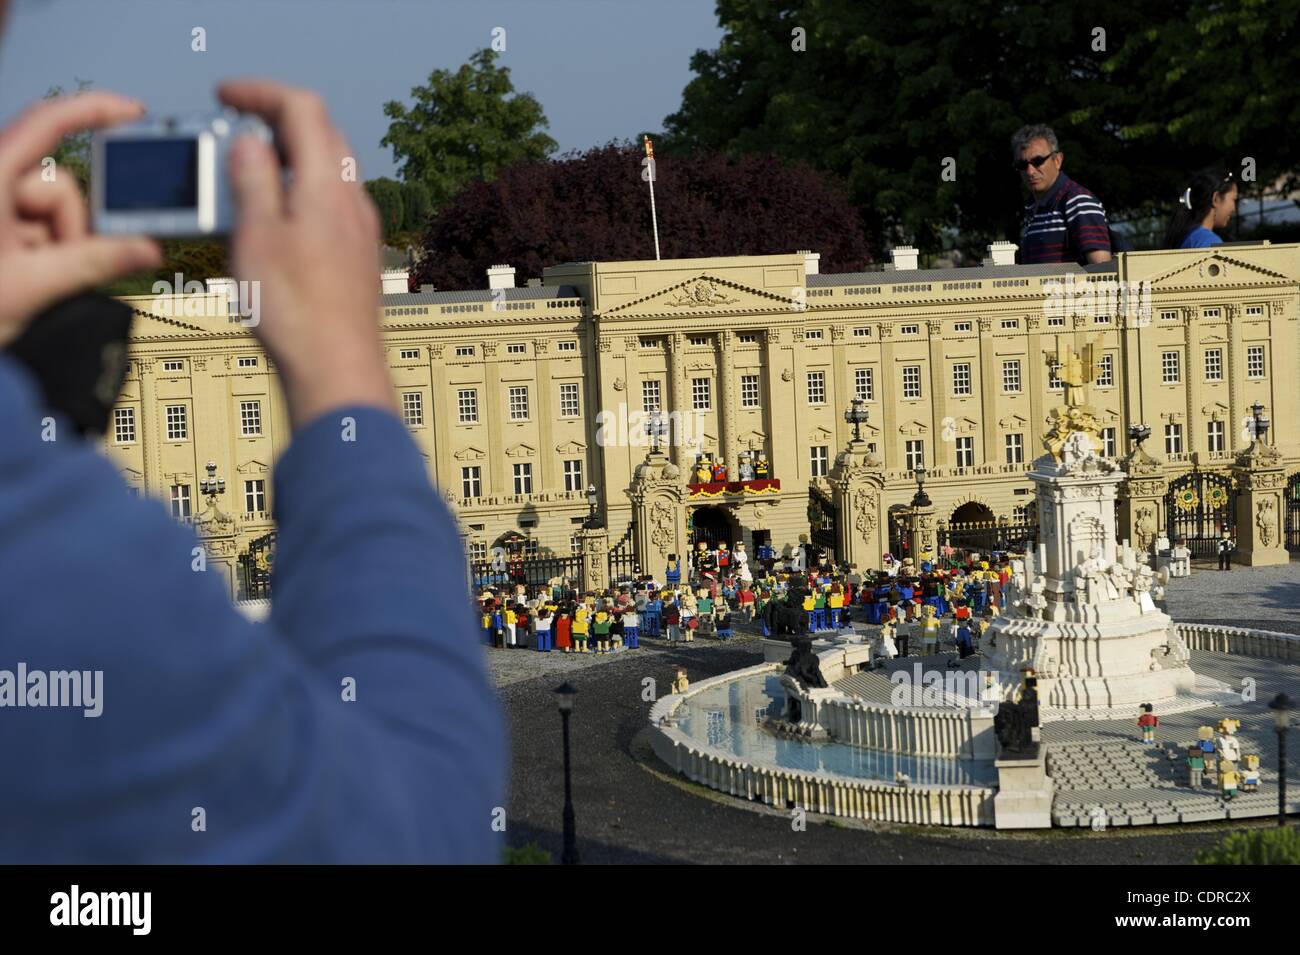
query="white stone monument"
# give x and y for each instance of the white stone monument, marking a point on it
(1095, 638)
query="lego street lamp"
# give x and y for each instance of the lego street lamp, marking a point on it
(856, 415)
(1260, 421)
(1281, 706)
(920, 498)
(656, 427)
(564, 697)
(593, 520)
(212, 485)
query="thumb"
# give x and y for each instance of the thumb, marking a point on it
(37, 278)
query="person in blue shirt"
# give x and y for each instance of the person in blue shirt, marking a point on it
(1208, 203)
(357, 725)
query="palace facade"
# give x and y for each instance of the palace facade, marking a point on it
(520, 397)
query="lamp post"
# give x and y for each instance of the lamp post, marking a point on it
(856, 415)
(564, 695)
(920, 498)
(1281, 705)
(1260, 420)
(212, 485)
(593, 519)
(1137, 433)
(656, 427)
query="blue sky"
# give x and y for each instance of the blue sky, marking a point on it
(602, 69)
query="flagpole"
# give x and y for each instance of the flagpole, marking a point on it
(654, 219)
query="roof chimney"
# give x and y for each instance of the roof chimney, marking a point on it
(394, 281)
(811, 261)
(501, 276)
(1002, 253)
(905, 257)
(228, 289)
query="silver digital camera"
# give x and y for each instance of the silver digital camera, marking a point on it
(167, 177)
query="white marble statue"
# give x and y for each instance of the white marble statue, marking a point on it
(1036, 602)
(741, 559)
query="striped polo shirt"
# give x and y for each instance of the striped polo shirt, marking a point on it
(1064, 225)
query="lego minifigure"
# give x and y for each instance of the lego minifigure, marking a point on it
(1229, 746)
(746, 468)
(1228, 778)
(542, 629)
(761, 469)
(1250, 774)
(680, 683)
(703, 470)
(581, 618)
(1205, 740)
(1225, 551)
(1147, 721)
(930, 631)
(723, 557)
(720, 471)
(1195, 766)
(673, 574)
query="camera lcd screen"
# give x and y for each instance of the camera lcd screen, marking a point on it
(145, 174)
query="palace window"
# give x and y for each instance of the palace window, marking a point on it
(699, 340)
(178, 428)
(1010, 324)
(1054, 382)
(1211, 313)
(1170, 368)
(251, 361)
(961, 379)
(467, 406)
(816, 387)
(254, 496)
(1173, 439)
(124, 425)
(815, 334)
(1055, 321)
(412, 408)
(1101, 319)
(250, 418)
(747, 338)
(1214, 364)
(1015, 448)
(1011, 376)
(701, 394)
(173, 365)
(915, 454)
(966, 452)
(518, 402)
(864, 385)
(464, 351)
(477, 550)
(1255, 361)
(1254, 311)
(652, 395)
(409, 354)
(909, 329)
(516, 348)
(863, 332)
(1214, 436)
(573, 475)
(1169, 316)
(566, 346)
(961, 327)
(471, 482)
(570, 407)
(911, 381)
(819, 460)
(749, 394)
(180, 501)
(523, 478)
(1108, 442)
(1106, 377)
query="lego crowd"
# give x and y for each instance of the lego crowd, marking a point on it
(718, 589)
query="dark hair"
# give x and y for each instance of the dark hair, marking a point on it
(1196, 202)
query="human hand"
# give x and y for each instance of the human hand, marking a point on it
(314, 249)
(46, 250)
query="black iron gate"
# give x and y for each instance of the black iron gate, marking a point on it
(1199, 507)
(623, 563)
(987, 537)
(822, 516)
(1293, 512)
(255, 566)
(500, 570)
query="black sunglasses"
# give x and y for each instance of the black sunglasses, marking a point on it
(1020, 165)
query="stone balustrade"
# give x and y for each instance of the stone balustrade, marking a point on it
(1239, 641)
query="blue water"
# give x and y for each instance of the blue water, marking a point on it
(728, 717)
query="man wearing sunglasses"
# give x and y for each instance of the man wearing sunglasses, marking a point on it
(1063, 221)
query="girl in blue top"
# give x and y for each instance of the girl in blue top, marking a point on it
(1207, 204)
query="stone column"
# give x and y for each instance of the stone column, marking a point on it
(595, 557)
(659, 510)
(1141, 500)
(1261, 506)
(856, 484)
(678, 398)
(921, 538)
(727, 446)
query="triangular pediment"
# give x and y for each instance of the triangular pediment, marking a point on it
(1230, 269)
(704, 294)
(470, 454)
(521, 450)
(252, 466)
(819, 434)
(1012, 422)
(913, 428)
(131, 475)
(571, 447)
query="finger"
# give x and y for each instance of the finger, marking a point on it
(40, 277)
(36, 133)
(27, 235)
(298, 116)
(58, 203)
(255, 180)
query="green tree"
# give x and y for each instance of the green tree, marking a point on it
(387, 197)
(416, 205)
(73, 151)
(1272, 846)
(885, 91)
(464, 126)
